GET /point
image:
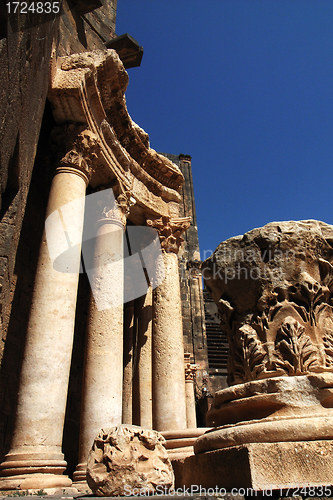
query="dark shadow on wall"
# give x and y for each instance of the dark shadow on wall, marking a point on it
(23, 282)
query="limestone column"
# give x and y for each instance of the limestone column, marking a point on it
(35, 459)
(143, 375)
(103, 370)
(190, 372)
(169, 408)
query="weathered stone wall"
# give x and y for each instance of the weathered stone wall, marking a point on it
(24, 73)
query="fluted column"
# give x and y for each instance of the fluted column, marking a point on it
(103, 369)
(35, 459)
(169, 408)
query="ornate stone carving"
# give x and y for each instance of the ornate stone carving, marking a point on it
(80, 149)
(190, 372)
(190, 369)
(127, 460)
(118, 208)
(89, 89)
(170, 230)
(274, 289)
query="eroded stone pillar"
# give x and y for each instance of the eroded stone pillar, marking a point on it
(273, 287)
(169, 407)
(35, 459)
(103, 369)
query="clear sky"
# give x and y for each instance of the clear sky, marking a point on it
(246, 88)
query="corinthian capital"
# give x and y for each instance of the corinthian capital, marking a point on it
(82, 151)
(190, 371)
(170, 230)
(117, 209)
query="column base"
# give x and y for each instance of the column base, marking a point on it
(26, 468)
(79, 478)
(34, 482)
(263, 466)
(179, 443)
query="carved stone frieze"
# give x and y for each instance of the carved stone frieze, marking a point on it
(170, 230)
(273, 287)
(89, 89)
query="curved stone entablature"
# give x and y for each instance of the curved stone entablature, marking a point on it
(89, 89)
(273, 287)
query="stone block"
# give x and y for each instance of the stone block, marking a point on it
(263, 466)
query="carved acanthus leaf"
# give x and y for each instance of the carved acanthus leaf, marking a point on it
(82, 152)
(118, 209)
(328, 348)
(250, 356)
(296, 354)
(190, 371)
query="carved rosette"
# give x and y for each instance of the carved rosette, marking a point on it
(273, 288)
(170, 230)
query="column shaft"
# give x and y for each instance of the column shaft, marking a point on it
(191, 417)
(169, 410)
(35, 459)
(143, 374)
(103, 371)
(128, 362)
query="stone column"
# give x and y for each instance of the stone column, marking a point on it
(103, 369)
(190, 372)
(169, 408)
(128, 362)
(143, 373)
(35, 459)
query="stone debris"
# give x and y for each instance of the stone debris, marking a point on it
(126, 458)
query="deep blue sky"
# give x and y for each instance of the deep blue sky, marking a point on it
(246, 88)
